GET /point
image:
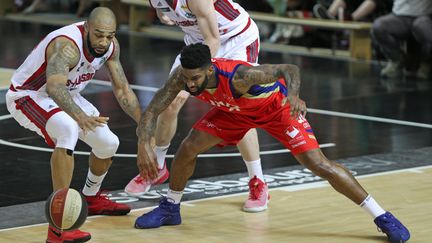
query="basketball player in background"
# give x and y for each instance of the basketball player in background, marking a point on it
(230, 33)
(44, 97)
(244, 97)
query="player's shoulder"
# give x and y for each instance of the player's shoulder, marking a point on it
(228, 65)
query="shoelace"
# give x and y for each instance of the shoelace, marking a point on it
(102, 197)
(139, 180)
(255, 189)
(389, 224)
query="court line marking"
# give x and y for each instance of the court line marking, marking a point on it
(369, 118)
(311, 110)
(217, 155)
(307, 186)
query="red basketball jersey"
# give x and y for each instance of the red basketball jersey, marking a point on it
(256, 102)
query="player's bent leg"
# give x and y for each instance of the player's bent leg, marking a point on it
(104, 145)
(345, 183)
(62, 166)
(258, 190)
(63, 131)
(168, 211)
(336, 174)
(165, 131)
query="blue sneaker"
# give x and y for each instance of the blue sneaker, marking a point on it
(166, 213)
(396, 232)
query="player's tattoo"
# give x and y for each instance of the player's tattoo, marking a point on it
(64, 57)
(64, 100)
(162, 99)
(124, 94)
(246, 76)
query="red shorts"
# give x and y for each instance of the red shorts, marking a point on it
(296, 135)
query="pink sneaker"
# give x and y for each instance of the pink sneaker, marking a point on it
(258, 196)
(137, 186)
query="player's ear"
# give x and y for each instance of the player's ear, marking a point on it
(86, 28)
(210, 70)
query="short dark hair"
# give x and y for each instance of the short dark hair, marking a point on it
(195, 56)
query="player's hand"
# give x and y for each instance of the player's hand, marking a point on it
(297, 106)
(165, 19)
(89, 123)
(146, 160)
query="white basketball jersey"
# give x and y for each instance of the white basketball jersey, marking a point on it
(231, 17)
(31, 74)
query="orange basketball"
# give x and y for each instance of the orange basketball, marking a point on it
(66, 209)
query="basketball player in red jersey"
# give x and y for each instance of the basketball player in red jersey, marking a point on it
(44, 97)
(230, 33)
(244, 97)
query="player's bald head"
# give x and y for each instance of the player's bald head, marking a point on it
(102, 16)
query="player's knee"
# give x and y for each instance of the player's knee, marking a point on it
(189, 148)
(323, 168)
(170, 113)
(106, 147)
(63, 130)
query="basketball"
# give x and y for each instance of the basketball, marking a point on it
(66, 209)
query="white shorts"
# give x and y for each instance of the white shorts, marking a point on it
(32, 110)
(244, 47)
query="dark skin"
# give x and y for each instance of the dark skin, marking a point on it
(244, 78)
(198, 141)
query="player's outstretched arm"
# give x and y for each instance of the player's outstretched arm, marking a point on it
(146, 158)
(159, 103)
(63, 55)
(122, 91)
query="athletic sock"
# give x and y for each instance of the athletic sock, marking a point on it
(93, 183)
(161, 152)
(174, 196)
(372, 207)
(254, 169)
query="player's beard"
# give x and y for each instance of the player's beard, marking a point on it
(200, 89)
(91, 50)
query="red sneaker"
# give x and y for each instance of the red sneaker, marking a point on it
(73, 236)
(101, 205)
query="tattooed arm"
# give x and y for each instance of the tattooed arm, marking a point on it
(62, 55)
(122, 91)
(247, 76)
(159, 103)
(146, 158)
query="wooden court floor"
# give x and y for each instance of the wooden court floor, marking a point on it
(315, 213)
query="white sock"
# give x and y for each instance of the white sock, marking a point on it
(254, 169)
(161, 152)
(174, 196)
(93, 183)
(372, 207)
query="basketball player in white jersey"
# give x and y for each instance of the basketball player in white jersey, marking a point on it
(44, 97)
(230, 33)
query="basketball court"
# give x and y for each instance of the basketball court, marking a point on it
(380, 129)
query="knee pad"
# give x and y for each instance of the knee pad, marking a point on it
(63, 130)
(103, 142)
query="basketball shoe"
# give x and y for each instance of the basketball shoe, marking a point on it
(258, 196)
(167, 213)
(396, 232)
(101, 205)
(138, 186)
(73, 236)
